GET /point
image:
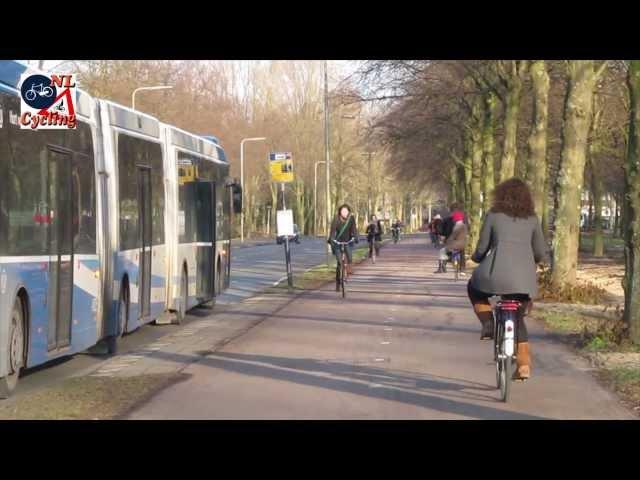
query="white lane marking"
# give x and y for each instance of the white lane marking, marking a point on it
(388, 329)
(379, 359)
(385, 343)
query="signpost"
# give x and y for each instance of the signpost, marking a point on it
(281, 166)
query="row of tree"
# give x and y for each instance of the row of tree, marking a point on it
(569, 128)
(284, 102)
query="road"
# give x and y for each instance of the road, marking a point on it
(258, 267)
(254, 267)
(404, 344)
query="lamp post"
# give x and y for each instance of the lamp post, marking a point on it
(133, 95)
(315, 197)
(253, 139)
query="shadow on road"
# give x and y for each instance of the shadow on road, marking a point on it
(442, 394)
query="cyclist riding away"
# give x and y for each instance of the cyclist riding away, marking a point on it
(456, 240)
(374, 235)
(510, 245)
(395, 229)
(435, 230)
(343, 229)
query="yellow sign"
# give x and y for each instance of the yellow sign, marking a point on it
(281, 167)
(187, 173)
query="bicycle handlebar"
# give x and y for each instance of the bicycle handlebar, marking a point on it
(342, 243)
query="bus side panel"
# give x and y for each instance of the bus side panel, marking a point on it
(86, 290)
(127, 265)
(158, 280)
(187, 253)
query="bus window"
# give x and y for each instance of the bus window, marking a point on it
(25, 213)
(132, 153)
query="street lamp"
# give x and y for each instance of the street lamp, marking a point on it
(253, 139)
(315, 196)
(133, 95)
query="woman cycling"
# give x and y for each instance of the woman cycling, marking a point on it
(510, 245)
(343, 229)
(374, 235)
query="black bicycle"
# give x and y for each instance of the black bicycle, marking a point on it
(456, 261)
(396, 234)
(507, 314)
(342, 268)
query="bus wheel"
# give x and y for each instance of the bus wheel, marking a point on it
(123, 311)
(184, 298)
(15, 352)
(218, 279)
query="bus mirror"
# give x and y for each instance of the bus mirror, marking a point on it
(236, 191)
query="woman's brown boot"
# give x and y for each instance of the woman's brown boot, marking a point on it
(485, 315)
(523, 359)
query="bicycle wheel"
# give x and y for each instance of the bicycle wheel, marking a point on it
(507, 373)
(497, 341)
(343, 276)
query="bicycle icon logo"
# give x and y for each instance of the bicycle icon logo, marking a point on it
(38, 92)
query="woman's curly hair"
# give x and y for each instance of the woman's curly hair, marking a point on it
(513, 197)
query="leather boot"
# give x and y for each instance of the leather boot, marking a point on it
(485, 315)
(337, 281)
(523, 359)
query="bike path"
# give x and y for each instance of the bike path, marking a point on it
(404, 344)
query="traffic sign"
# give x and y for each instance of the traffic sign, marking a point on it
(281, 167)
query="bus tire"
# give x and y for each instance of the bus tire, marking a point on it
(181, 313)
(15, 350)
(123, 309)
(218, 278)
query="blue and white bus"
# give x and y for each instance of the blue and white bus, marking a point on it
(98, 226)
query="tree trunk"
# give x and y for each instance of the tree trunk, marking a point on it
(300, 210)
(577, 119)
(510, 144)
(598, 239)
(461, 186)
(616, 224)
(453, 184)
(488, 147)
(537, 162)
(632, 201)
(476, 173)
(468, 167)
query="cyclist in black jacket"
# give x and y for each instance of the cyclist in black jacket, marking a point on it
(343, 229)
(374, 235)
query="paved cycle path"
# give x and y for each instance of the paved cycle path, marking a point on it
(404, 344)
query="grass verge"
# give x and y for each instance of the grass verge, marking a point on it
(84, 398)
(317, 276)
(604, 342)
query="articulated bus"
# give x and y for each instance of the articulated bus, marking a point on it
(103, 228)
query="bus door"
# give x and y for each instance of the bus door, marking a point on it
(205, 227)
(62, 209)
(144, 240)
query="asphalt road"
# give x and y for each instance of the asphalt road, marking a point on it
(255, 268)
